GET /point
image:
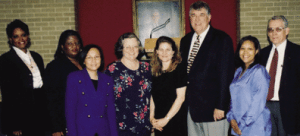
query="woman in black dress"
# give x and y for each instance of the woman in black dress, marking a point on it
(66, 60)
(167, 112)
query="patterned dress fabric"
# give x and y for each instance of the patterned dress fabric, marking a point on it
(132, 96)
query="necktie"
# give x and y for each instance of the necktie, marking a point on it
(193, 53)
(272, 73)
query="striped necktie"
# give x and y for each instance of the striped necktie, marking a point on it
(193, 53)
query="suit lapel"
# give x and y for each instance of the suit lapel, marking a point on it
(206, 43)
(204, 48)
(88, 82)
(186, 47)
(100, 82)
(286, 63)
(17, 61)
(265, 55)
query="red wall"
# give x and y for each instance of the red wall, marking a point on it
(101, 22)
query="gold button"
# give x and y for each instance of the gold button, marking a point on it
(79, 81)
(82, 92)
(188, 82)
(85, 105)
(89, 116)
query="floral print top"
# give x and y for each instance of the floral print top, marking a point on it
(132, 95)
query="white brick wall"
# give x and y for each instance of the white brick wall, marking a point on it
(254, 16)
(46, 20)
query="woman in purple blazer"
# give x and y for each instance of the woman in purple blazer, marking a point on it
(89, 102)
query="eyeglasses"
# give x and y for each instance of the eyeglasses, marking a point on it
(277, 29)
(131, 47)
(89, 58)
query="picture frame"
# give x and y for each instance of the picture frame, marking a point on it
(155, 18)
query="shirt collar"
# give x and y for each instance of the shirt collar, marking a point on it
(24, 56)
(203, 34)
(281, 47)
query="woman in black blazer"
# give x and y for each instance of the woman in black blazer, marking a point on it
(65, 61)
(21, 81)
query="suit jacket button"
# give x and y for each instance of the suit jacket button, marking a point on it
(107, 94)
(79, 81)
(82, 93)
(101, 116)
(29, 74)
(105, 105)
(107, 83)
(85, 105)
(89, 116)
(188, 82)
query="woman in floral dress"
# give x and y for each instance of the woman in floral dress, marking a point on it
(132, 85)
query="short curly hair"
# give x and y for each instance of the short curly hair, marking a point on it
(12, 26)
(119, 45)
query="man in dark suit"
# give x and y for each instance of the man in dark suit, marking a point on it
(283, 57)
(208, 54)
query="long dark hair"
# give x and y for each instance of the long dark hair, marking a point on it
(85, 51)
(238, 61)
(62, 40)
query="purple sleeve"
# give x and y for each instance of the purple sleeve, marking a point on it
(111, 110)
(70, 105)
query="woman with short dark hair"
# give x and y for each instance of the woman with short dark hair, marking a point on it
(21, 81)
(248, 114)
(132, 85)
(66, 60)
(89, 103)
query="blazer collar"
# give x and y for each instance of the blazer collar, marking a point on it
(17, 60)
(89, 82)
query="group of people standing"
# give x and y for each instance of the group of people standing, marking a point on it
(191, 91)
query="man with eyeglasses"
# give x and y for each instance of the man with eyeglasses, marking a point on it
(282, 60)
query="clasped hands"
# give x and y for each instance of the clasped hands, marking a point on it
(159, 123)
(17, 133)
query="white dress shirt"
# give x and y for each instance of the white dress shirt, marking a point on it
(28, 60)
(281, 51)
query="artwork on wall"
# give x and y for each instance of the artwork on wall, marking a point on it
(155, 18)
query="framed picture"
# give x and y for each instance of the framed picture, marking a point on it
(155, 18)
